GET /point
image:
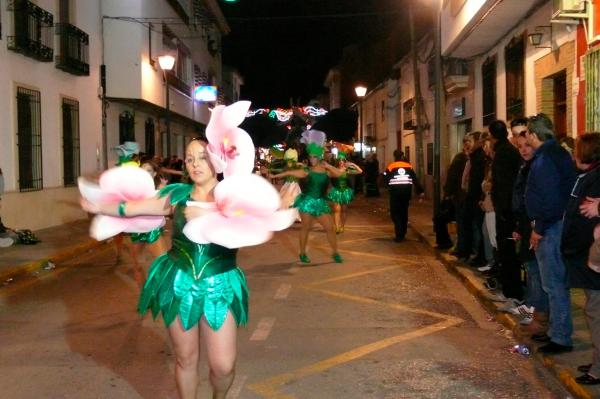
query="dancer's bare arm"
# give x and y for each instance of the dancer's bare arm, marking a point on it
(147, 207)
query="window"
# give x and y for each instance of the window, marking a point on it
(488, 77)
(382, 110)
(409, 116)
(180, 77)
(64, 11)
(407, 154)
(70, 123)
(149, 137)
(515, 78)
(33, 31)
(126, 127)
(29, 139)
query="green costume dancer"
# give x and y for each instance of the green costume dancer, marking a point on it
(341, 193)
(313, 199)
(194, 280)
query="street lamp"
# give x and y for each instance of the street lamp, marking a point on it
(166, 63)
(360, 91)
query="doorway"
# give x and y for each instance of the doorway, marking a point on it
(560, 103)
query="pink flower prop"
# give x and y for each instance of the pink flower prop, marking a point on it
(247, 213)
(230, 148)
(120, 184)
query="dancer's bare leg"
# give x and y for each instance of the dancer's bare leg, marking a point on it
(186, 345)
(307, 221)
(221, 347)
(337, 216)
(327, 222)
(138, 272)
(344, 212)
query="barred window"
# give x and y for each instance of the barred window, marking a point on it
(126, 127)
(29, 139)
(70, 122)
(149, 137)
(488, 77)
(515, 77)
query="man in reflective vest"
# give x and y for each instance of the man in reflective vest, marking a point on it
(400, 178)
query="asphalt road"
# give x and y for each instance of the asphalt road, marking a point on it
(389, 322)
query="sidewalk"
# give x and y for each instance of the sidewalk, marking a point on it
(563, 366)
(57, 245)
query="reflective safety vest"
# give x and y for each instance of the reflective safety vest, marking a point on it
(400, 177)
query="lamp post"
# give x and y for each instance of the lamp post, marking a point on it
(360, 91)
(166, 63)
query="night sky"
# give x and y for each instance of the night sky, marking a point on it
(284, 48)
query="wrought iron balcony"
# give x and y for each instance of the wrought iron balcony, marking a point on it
(73, 50)
(33, 34)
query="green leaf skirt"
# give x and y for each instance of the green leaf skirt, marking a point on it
(311, 205)
(173, 291)
(341, 195)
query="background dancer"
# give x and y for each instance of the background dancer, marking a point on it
(312, 202)
(341, 194)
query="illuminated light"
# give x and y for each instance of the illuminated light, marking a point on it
(313, 111)
(166, 62)
(260, 111)
(205, 93)
(283, 115)
(360, 91)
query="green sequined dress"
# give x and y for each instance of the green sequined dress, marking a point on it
(341, 193)
(147, 238)
(313, 198)
(194, 280)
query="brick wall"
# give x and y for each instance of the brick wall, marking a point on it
(544, 68)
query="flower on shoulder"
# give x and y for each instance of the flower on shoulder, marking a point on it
(230, 148)
(246, 212)
(116, 185)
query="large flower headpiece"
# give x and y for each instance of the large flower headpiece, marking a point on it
(315, 142)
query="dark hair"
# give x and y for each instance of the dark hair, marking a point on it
(518, 122)
(498, 130)
(541, 126)
(587, 148)
(398, 155)
(476, 135)
(155, 167)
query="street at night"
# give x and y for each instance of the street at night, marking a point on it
(389, 322)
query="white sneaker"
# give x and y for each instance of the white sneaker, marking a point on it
(498, 297)
(522, 310)
(6, 242)
(485, 268)
(526, 320)
(510, 304)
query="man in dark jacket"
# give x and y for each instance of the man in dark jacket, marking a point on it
(505, 168)
(400, 178)
(475, 173)
(549, 185)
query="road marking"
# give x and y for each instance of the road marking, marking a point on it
(270, 387)
(347, 276)
(412, 259)
(263, 329)
(238, 385)
(283, 291)
(363, 239)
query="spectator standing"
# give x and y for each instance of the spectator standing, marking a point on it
(488, 228)
(578, 237)
(518, 126)
(400, 178)
(505, 168)
(454, 193)
(371, 175)
(550, 181)
(536, 298)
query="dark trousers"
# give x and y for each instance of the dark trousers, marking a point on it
(399, 213)
(462, 240)
(473, 219)
(510, 266)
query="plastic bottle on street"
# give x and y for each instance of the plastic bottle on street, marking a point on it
(521, 349)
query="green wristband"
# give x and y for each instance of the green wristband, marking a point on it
(122, 209)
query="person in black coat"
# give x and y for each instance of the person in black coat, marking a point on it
(475, 173)
(577, 238)
(505, 167)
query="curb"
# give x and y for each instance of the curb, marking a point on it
(563, 375)
(60, 256)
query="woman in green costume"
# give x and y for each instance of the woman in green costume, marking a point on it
(341, 194)
(198, 288)
(312, 202)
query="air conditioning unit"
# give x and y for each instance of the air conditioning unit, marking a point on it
(569, 9)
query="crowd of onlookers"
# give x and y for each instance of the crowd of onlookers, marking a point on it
(527, 200)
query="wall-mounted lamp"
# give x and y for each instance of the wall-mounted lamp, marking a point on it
(536, 37)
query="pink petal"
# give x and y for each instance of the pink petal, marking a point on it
(243, 161)
(281, 220)
(143, 224)
(90, 191)
(216, 160)
(104, 227)
(235, 113)
(215, 126)
(234, 232)
(130, 182)
(250, 194)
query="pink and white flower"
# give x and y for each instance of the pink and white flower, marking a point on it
(230, 148)
(116, 185)
(246, 213)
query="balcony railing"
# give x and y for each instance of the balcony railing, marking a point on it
(73, 50)
(32, 31)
